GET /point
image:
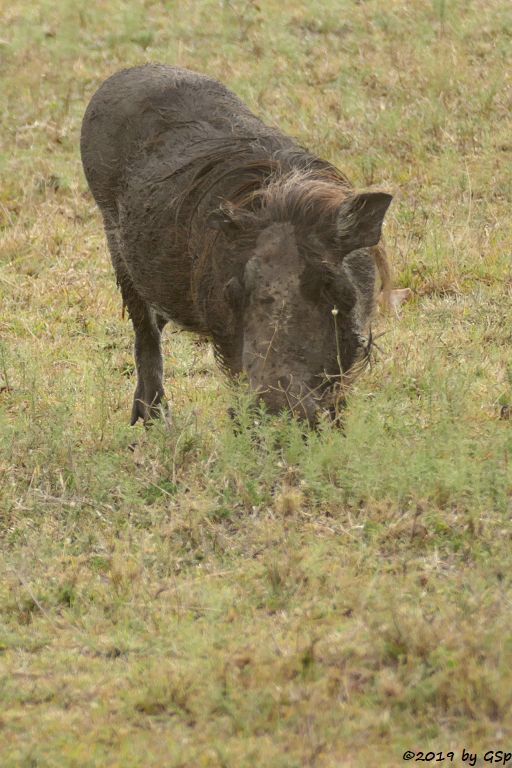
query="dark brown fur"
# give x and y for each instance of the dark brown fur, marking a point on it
(232, 230)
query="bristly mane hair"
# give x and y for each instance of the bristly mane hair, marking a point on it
(258, 180)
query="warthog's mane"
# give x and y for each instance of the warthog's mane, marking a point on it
(257, 181)
(254, 175)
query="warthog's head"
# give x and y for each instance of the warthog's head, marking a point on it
(304, 291)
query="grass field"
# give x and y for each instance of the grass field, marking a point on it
(211, 599)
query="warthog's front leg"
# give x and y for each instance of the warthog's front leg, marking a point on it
(148, 328)
(148, 359)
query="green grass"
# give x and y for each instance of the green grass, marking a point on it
(188, 596)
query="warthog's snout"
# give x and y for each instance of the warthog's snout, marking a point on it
(305, 403)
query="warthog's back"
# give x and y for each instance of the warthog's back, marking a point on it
(155, 114)
(148, 134)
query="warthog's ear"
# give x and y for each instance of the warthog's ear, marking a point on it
(360, 220)
(223, 220)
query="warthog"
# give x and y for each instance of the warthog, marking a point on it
(229, 228)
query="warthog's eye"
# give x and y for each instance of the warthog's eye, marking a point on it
(315, 281)
(321, 283)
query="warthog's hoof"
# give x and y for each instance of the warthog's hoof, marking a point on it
(147, 409)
